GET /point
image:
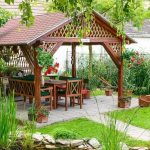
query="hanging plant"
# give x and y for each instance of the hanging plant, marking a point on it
(44, 58)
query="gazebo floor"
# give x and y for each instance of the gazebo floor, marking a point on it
(92, 107)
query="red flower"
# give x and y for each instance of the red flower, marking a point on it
(139, 62)
(132, 59)
(56, 65)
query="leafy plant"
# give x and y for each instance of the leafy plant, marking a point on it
(44, 58)
(62, 133)
(8, 123)
(2, 65)
(42, 112)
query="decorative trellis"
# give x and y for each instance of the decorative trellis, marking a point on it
(71, 30)
(116, 48)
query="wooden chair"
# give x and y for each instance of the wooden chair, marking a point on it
(72, 90)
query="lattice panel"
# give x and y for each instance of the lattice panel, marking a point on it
(71, 30)
(22, 87)
(15, 58)
(48, 47)
(116, 47)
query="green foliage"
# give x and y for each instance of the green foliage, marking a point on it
(100, 68)
(62, 133)
(86, 128)
(27, 17)
(28, 131)
(4, 16)
(42, 111)
(44, 58)
(2, 65)
(8, 123)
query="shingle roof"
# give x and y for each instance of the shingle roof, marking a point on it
(143, 32)
(15, 33)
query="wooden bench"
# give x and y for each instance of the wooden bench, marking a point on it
(27, 89)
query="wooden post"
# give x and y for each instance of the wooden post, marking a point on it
(90, 61)
(73, 60)
(120, 81)
(37, 80)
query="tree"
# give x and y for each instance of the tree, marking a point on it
(119, 12)
(4, 16)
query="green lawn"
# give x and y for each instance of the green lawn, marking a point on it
(86, 128)
(97, 92)
(139, 116)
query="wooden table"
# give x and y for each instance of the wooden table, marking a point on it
(55, 83)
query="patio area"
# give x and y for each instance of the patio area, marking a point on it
(91, 108)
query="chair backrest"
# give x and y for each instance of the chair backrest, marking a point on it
(22, 87)
(74, 87)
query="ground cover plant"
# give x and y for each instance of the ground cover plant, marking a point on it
(141, 116)
(86, 128)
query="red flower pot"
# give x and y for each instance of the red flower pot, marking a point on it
(42, 119)
(124, 102)
(144, 101)
(109, 92)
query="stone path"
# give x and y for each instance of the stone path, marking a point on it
(93, 109)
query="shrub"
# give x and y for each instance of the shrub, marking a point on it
(62, 133)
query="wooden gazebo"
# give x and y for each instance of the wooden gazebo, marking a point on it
(51, 31)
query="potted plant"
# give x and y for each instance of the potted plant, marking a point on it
(124, 102)
(32, 113)
(42, 115)
(108, 91)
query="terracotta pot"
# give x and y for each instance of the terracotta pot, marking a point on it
(124, 102)
(42, 119)
(87, 94)
(144, 101)
(109, 92)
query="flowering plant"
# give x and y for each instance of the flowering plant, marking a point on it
(52, 69)
(132, 57)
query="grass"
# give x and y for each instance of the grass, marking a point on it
(97, 92)
(86, 128)
(141, 116)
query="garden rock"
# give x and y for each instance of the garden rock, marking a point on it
(63, 142)
(76, 143)
(82, 147)
(38, 137)
(139, 148)
(48, 138)
(94, 143)
(50, 147)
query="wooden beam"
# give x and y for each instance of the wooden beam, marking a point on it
(37, 80)
(112, 54)
(120, 81)
(73, 60)
(55, 48)
(77, 40)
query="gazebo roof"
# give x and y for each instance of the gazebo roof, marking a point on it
(13, 33)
